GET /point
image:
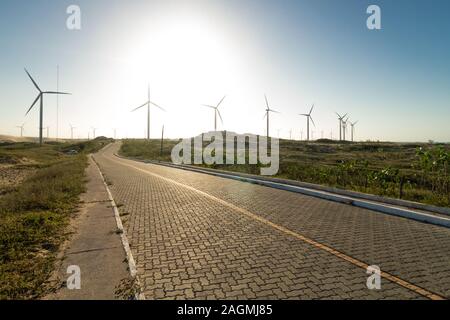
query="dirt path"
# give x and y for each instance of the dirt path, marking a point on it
(95, 247)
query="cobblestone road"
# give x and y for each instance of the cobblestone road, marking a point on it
(196, 236)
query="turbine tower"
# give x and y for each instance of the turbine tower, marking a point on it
(93, 131)
(41, 108)
(308, 117)
(71, 131)
(268, 111)
(352, 124)
(344, 127)
(148, 103)
(341, 118)
(21, 129)
(216, 112)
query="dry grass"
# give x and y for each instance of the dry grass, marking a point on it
(388, 169)
(34, 213)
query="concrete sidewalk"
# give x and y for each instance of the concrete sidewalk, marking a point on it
(95, 247)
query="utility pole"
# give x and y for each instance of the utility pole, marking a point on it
(57, 103)
(162, 141)
(148, 114)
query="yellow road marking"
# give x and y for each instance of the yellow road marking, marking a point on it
(421, 291)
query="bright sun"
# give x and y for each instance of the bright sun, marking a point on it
(185, 51)
(183, 59)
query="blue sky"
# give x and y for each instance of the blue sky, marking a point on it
(395, 81)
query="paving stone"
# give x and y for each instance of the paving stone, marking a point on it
(211, 243)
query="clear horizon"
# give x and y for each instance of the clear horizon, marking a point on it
(394, 81)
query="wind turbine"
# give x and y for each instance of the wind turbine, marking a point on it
(93, 131)
(21, 129)
(344, 127)
(216, 112)
(268, 111)
(71, 131)
(148, 103)
(341, 118)
(41, 108)
(352, 124)
(308, 117)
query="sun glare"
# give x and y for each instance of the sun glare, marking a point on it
(183, 50)
(185, 58)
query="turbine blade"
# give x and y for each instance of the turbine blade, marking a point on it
(55, 92)
(221, 101)
(158, 106)
(220, 116)
(265, 115)
(206, 105)
(32, 80)
(140, 107)
(37, 98)
(267, 101)
(274, 111)
(312, 121)
(311, 109)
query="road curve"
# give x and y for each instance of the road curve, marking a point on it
(197, 236)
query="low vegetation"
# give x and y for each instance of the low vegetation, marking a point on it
(35, 212)
(410, 171)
